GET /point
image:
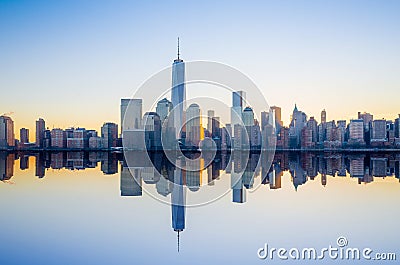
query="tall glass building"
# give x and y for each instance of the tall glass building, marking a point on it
(178, 94)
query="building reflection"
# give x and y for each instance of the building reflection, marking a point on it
(243, 168)
(172, 181)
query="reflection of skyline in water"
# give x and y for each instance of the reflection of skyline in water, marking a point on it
(243, 170)
(170, 181)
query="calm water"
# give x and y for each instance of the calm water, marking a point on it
(107, 208)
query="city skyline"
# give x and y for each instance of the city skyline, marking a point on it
(348, 59)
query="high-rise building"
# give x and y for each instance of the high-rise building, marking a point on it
(40, 128)
(24, 136)
(7, 138)
(163, 108)
(248, 117)
(78, 139)
(278, 115)
(397, 127)
(178, 95)
(210, 116)
(356, 132)
(109, 133)
(323, 116)
(131, 114)
(298, 122)
(58, 138)
(378, 131)
(367, 118)
(306, 138)
(152, 129)
(330, 131)
(238, 101)
(194, 128)
(341, 131)
(313, 126)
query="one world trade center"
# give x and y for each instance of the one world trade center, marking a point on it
(178, 95)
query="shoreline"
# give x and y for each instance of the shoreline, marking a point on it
(121, 150)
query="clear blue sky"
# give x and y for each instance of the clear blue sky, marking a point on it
(70, 62)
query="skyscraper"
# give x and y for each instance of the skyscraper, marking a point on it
(24, 135)
(178, 94)
(323, 116)
(109, 132)
(163, 108)
(194, 128)
(210, 116)
(238, 100)
(298, 122)
(131, 114)
(378, 132)
(356, 131)
(7, 138)
(278, 116)
(40, 128)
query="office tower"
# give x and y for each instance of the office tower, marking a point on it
(163, 108)
(58, 138)
(78, 139)
(268, 131)
(378, 131)
(24, 135)
(330, 130)
(216, 131)
(397, 127)
(226, 136)
(264, 119)
(152, 128)
(248, 121)
(313, 126)
(238, 101)
(109, 133)
(298, 122)
(341, 123)
(323, 116)
(356, 132)
(210, 116)
(7, 138)
(367, 118)
(40, 128)
(131, 114)
(278, 116)
(306, 138)
(282, 139)
(248, 116)
(341, 131)
(178, 95)
(194, 128)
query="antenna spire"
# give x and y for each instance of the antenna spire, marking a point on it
(178, 240)
(178, 48)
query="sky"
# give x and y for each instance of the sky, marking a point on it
(70, 62)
